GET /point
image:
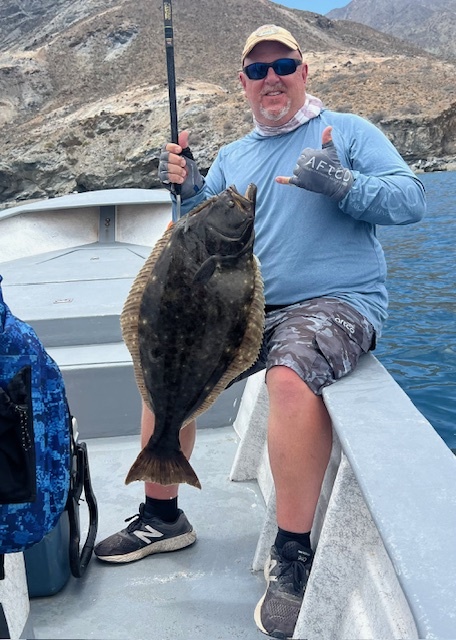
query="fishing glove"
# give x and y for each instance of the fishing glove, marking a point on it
(194, 180)
(320, 171)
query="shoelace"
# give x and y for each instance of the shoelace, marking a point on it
(132, 525)
(299, 575)
(294, 572)
(135, 519)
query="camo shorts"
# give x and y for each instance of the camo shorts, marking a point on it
(320, 339)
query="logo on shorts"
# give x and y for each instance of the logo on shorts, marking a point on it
(344, 323)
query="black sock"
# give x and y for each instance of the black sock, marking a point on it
(286, 536)
(166, 510)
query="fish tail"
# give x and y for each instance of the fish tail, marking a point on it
(150, 466)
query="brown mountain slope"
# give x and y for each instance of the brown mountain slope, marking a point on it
(429, 24)
(84, 103)
(96, 49)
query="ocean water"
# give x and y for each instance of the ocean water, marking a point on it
(418, 345)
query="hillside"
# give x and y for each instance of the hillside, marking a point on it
(84, 101)
(429, 24)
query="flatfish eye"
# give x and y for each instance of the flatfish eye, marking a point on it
(230, 203)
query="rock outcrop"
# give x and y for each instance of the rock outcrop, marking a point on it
(84, 100)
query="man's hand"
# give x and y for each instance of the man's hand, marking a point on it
(177, 166)
(320, 170)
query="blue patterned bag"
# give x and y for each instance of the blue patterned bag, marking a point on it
(42, 469)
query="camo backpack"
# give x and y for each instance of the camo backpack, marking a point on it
(42, 469)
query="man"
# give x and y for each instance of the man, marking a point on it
(324, 181)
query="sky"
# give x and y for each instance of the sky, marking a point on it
(317, 6)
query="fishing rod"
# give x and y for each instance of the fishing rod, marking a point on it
(169, 46)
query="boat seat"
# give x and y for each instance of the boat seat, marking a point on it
(383, 518)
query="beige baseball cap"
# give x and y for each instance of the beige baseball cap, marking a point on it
(270, 32)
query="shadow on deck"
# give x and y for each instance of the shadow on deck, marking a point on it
(205, 591)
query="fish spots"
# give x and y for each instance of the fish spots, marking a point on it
(193, 339)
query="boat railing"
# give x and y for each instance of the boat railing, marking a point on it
(135, 216)
(384, 531)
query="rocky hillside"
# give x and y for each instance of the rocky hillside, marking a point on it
(84, 100)
(429, 24)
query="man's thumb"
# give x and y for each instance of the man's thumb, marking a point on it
(183, 139)
(326, 136)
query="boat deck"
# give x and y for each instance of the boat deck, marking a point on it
(73, 297)
(205, 591)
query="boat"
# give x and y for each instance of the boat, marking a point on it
(385, 524)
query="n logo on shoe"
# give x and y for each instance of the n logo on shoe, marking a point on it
(268, 574)
(147, 536)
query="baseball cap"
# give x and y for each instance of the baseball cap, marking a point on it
(270, 32)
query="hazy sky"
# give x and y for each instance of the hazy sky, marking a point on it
(317, 6)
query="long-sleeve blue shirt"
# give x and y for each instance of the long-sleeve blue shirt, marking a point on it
(307, 244)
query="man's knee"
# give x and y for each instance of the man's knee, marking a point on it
(285, 383)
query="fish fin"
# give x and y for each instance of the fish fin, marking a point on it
(205, 272)
(129, 317)
(150, 466)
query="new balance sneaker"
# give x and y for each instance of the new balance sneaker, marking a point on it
(287, 574)
(145, 536)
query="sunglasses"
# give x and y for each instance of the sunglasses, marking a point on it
(282, 67)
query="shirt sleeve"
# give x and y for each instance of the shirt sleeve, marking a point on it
(385, 190)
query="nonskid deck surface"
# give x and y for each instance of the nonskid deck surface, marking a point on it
(73, 296)
(205, 592)
(73, 299)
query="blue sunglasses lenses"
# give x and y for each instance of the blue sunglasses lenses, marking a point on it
(282, 67)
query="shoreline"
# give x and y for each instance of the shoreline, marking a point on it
(431, 165)
(425, 165)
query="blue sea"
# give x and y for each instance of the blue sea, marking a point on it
(418, 345)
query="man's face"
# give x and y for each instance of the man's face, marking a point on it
(275, 99)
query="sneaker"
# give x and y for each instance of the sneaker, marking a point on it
(145, 536)
(287, 574)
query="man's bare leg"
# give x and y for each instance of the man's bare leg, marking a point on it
(187, 440)
(299, 443)
(160, 525)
